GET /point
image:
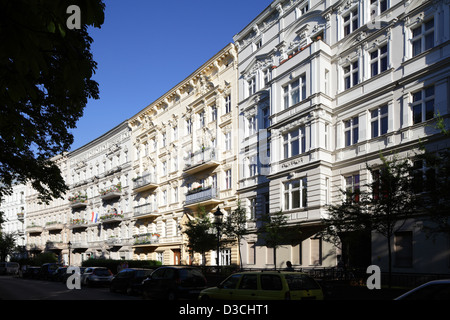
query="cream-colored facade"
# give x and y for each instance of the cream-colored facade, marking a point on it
(185, 159)
(46, 224)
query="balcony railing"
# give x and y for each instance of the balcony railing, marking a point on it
(111, 217)
(146, 210)
(145, 182)
(201, 160)
(146, 239)
(111, 192)
(206, 196)
(54, 225)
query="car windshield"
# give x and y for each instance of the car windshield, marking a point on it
(301, 282)
(230, 282)
(102, 272)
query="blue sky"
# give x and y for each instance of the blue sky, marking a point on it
(145, 48)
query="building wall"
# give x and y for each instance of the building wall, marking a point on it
(322, 68)
(185, 142)
(100, 211)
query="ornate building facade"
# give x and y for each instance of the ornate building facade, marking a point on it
(184, 149)
(324, 87)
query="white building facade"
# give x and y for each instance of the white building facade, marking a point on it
(324, 87)
(99, 198)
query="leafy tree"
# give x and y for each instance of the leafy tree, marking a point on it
(198, 229)
(45, 83)
(382, 206)
(235, 227)
(7, 245)
(432, 181)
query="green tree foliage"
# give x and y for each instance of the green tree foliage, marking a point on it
(200, 233)
(7, 245)
(45, 84)
(383, 205)
(235, 227)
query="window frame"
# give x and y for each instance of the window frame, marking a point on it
(290, 188)
(421, 38)
(289, 141)
(380, 61)
(422, 104)
(298, 91)
(350, 131)
(348, 26)
(380, 119)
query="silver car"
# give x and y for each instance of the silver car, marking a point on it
(96, 276)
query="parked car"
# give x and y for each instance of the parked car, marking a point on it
(9, 268)
(433, 290)
(58, 274)
(173, 283)
(129, 280)
(31, 272)
(96, 276)
(266, 285)
(67, 275)
(47, 270)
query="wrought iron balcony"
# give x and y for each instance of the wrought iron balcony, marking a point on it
(145, 182)
(205, 196)
(146, 210)
(201, 160)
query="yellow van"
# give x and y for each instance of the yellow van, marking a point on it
(265, 285)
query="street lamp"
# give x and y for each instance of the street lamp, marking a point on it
(218, 216)
(70, 246)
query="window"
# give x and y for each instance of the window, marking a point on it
(251, 85)
(351, 75)
(423, 177)
(378, 60)
(249, 282)
(266, 77)
(295, 194)
(271, 282)
(253, 166)
(175, 194)
(228, 141)
(422, 37)
(164, 139)
(377, 7)
(352, 185)
(164, 197)
(294, 92)
(189, 126)
(350, 22)
(201, 117)
(252, 207)
(266, 119)
(213, 113)
(423, 105)
(379, 121)
(251, 125)
(351, 131)
(228, 104)
(175, 133)
(228, 179)
(294, 142)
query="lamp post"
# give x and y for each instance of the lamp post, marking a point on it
(69, 244)
(218, 216)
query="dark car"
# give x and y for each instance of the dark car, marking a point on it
(58, 274)
(31, 272)
(47, 270)
(433, 290)
(129, 280)
(173, 283)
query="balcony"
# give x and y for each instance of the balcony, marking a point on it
(111, 217)
(201, 160)
(78, 203)
(54, 225)
(20, 216)
(80, 245)
(117, 242)
(145, 182)
(112, 192)
(148, 210)
(202, 197)
(55, 245)
(34, 229)
(146, 239)
(78, 224)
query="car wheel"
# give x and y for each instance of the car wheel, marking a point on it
(129, 291)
